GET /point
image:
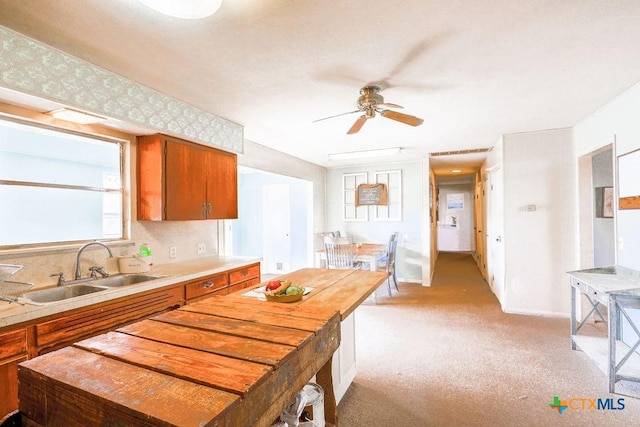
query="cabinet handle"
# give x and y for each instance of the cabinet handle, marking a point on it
(207, 285)
(204, 210)
(209, 209)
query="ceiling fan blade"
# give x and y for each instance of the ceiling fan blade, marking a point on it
(357, 125)
(337, 115)
(402, 118)
(388, 105)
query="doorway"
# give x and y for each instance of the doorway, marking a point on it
(277, 235)
(495, 231)
(597, 230)
(275, 221)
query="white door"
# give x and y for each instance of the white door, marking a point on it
(495, 232)
(276, 229)
(479, 227)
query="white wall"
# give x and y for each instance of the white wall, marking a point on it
(538, 245)
(410, 260)
(618, 120)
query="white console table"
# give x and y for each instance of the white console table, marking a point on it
(618, 289)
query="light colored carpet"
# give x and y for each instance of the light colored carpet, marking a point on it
(446, 355)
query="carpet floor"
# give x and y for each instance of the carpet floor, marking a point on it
(447, 355)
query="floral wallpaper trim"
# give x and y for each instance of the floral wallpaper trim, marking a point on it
(36, 69)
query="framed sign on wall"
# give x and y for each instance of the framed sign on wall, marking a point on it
(371, 194)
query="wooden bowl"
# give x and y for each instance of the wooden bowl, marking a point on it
(285, 298)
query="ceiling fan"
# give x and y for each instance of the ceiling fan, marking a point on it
(371, 102)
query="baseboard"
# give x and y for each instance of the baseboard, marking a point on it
(416, 281)
(538, 313)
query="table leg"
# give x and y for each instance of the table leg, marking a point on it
(325, 380)
(573, 317)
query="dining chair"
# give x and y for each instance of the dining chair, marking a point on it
(332, 233)
(340, 252)
(388, 262)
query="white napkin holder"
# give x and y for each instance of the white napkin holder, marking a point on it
(134, 264)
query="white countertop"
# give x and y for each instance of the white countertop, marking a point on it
(15, 313)
(609, 279)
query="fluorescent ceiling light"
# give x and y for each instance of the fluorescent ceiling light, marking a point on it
(187, 9)
(76, 116)
(364, 154)
(456, 171)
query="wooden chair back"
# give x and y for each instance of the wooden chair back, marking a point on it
(340, 252)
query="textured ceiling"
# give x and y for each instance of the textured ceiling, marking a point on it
(473, 70)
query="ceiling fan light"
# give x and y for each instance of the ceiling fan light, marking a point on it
(365, 154)
(186, 9)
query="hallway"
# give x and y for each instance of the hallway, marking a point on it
(447, 355)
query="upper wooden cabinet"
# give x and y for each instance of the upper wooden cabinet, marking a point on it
(180, 180)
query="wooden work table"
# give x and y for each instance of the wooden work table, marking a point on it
(224, 361)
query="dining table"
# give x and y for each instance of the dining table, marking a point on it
(231, 360)
(368, 253)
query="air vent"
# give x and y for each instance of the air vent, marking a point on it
(453, 153)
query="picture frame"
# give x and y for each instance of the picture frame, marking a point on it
(604, 202)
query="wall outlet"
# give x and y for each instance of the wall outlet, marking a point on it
(620, 243)
(172, 251)
(202, 248)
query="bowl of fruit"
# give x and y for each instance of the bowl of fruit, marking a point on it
(283, 291)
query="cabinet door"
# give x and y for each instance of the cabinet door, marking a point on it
(98, 319)
(185, 181)
(206, 286)
(13, 350)
(222, 185)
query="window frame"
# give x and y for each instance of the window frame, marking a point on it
(123, 146)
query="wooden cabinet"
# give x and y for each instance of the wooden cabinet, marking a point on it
(97, 319)
(180, 180)
(205, 287)
(223, 283)
(13, 350)
(244, 277)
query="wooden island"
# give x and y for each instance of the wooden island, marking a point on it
(223, 361)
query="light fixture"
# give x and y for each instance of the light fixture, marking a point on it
(364, 154)
(187, 9)
(456, 171)
(76, 116)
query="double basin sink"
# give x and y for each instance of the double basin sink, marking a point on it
(64, 292)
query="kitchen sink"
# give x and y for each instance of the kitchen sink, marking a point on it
(60, 293)
(65, 292)
(123, 280)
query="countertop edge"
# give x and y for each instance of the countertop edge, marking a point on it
(13, 314)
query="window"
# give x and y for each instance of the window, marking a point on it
(57, 186)
(393, 210)
(350, 182)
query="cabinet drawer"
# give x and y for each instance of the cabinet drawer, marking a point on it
(100, 319)
(205, 286)
(245, 273)
(13, 343)
(243, 285)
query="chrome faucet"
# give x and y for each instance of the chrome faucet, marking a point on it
(78, 274)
